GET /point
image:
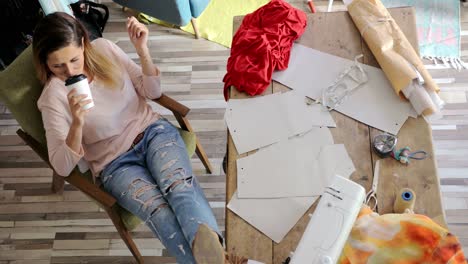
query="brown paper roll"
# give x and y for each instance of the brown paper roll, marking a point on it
(397, 58)
(404, 200)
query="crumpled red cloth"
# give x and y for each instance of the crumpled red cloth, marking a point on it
(261, 45)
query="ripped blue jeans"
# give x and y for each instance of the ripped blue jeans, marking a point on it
(154, 181)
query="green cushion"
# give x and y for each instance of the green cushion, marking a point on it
(19, 91)
(190, 140)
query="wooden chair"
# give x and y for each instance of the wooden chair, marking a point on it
(19, 90)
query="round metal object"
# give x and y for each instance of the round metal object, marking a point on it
(384, 144)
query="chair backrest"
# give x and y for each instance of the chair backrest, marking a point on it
(19, 91)
(198, 6)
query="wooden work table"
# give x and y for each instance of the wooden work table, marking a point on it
(336, 34)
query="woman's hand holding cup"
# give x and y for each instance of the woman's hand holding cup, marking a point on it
(79, 91)
(76, 102)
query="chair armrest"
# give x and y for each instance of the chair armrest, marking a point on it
(74, 178)
(172, 105)
(36, 146)
(179, 110)
(90, 189)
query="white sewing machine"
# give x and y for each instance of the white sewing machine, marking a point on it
(330, 225)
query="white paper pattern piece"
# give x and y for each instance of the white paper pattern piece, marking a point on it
(334, 160)
(255, 122)
(273, 217)
(312, 162)
(302, 117)
(260, 121)
(285, 169)
(375, 103)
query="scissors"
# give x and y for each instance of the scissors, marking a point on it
(371, 197)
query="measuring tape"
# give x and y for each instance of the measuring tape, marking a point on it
(384, 145)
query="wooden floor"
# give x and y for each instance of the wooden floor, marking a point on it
(39, 227)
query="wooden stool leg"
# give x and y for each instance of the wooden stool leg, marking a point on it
(58, 183)
(124, 233)
(195, 28)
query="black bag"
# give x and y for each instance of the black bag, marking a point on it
(18, 18)
(92, 15)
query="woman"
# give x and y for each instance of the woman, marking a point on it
(139, 157)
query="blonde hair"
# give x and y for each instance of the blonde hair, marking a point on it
(103, 69)
(58, 30)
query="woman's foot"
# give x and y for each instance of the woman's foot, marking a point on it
(207, 249)
(206, 246)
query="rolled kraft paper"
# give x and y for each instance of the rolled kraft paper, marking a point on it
(391, 48)
(404, 200)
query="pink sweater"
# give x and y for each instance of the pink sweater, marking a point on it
(118, 116)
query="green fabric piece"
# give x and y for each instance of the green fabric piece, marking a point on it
(19, 91)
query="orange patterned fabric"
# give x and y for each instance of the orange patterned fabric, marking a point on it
(401, 239)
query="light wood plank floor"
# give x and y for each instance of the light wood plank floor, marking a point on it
(39, 227)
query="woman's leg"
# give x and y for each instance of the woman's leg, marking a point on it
(169, 164)
(135, 190)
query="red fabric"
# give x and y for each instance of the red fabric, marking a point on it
(261, 45)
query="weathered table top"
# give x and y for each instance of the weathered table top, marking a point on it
(336, 34)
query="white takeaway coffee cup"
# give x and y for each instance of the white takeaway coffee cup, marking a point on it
(80, 83)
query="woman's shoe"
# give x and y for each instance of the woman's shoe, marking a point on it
(207, 249)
